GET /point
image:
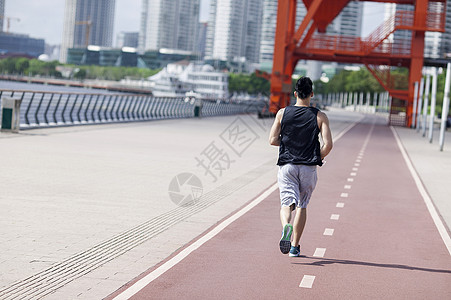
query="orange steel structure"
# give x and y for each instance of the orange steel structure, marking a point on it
(310, 42)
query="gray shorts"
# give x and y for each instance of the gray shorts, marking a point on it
(296, 184)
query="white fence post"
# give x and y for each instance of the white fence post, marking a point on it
(433, 102)
(415, 99)
(445, 107)
(355, 101)
(426, 102)
(420, 104)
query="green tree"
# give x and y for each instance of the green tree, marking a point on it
(400, 78)
(80, 74)
(319, 87)
(22, 65)
(117, 73)
(36, 67)
(338, 82)
(8, 65)
(238, 83)
(440, 92)
(362, 81)
(258, 85)
(248, 83)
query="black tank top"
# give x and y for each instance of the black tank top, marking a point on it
(299, 143)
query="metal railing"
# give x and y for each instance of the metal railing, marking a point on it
(44, 109)
(325, 42)
(378, 41)
(376, 103)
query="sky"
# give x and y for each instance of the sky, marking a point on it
(44, 18)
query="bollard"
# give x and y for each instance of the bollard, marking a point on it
(415, 100)
(426, 102)
(445, 108)
(420, 104)
(355, 101)
(10, 113)
(196, 101)
(433, 102)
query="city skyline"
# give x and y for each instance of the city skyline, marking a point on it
(127, 17)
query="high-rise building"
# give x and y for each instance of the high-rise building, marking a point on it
(201, 39)
(2, 14)
(169, 24)
(87, 22)
(13, 43)
(127, 39)
(445, 44)
(234, 30)
(269, 27)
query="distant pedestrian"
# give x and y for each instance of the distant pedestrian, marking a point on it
(198, 104)
(296, 131)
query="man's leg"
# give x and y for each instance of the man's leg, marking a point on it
(285, 214)
(308, 183)
(285, 218)
(298, 225)
(289, 194)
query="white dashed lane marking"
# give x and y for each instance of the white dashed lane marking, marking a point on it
(307, 281)
(319, 252)
(334, 217)
(328, 231)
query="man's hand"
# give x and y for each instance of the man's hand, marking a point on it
(323, 124)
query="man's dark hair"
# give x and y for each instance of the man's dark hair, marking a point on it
(304, 87)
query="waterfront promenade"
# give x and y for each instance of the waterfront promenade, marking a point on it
(87, 210)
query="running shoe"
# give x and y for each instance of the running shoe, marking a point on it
(285, 241)
(295, 251)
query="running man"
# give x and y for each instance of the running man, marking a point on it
(296, 131)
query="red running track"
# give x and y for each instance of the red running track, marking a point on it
(384, 244)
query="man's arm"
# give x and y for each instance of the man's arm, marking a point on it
(323, 122)
(274, 135)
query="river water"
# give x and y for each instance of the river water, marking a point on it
(21, 86)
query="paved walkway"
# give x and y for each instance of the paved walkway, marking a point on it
(433, 166)
(87, 209)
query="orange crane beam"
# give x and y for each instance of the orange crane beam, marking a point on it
(309, 42)
(88, 24)
(8, 21)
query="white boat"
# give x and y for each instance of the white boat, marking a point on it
(205, 81)
(167, 83)
(176, 79)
